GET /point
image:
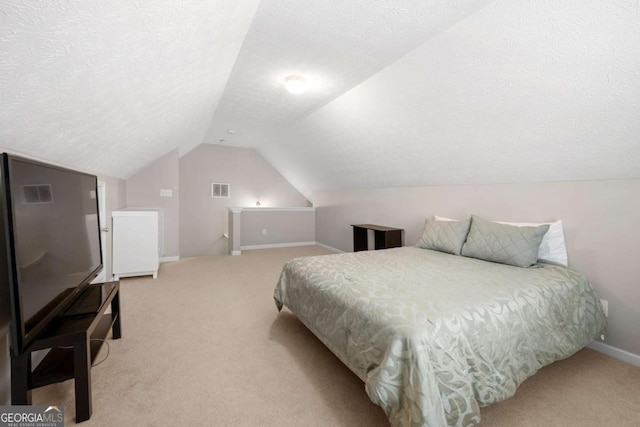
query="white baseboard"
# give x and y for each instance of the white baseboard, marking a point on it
(277, 245)
(330, 248)
(169, 259)
(236, 253)
(615, 352)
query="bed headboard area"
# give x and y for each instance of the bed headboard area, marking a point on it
(600, 221)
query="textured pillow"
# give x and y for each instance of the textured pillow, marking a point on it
(503, 243)
(444, 236)
(552, 248)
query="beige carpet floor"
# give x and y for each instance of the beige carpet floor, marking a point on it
(203, 345)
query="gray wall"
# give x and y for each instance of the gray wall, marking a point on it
(282, 226)
(600, 221)
(143, 191)
(203, 219)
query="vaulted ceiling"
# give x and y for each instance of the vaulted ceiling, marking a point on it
(401, 92)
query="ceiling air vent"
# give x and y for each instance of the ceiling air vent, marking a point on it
(219, 189)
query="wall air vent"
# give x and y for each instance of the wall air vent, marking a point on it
(219, 189)
(37, 194)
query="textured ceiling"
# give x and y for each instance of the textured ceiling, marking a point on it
(110, 86)
(402, 92)
(335, 44)
(518, 92)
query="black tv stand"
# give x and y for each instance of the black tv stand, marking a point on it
(74, 337)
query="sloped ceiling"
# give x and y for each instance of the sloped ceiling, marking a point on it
(334, 44)
(110, 86)
(525, 91)
(402, 92)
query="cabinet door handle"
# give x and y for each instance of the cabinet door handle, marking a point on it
(105, 229)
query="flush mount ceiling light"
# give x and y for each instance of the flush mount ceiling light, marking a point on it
(295, 84)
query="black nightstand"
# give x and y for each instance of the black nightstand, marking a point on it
(385, 237)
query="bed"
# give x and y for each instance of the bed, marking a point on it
(435, 336)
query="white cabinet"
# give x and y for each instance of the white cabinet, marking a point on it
(136, 242)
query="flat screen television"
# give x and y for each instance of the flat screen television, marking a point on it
(49, 245)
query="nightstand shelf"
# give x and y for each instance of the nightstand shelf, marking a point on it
(384, 237)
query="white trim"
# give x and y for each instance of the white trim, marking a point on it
(104, 223)
(153, 273)
(330, 248)
(277, 245)
(267, 209)
(615, 352)
(169, 259)
(236, 253)
(136, 212)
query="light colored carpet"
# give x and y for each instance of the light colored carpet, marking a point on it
(203, 345)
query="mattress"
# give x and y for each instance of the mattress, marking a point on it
(435, 336)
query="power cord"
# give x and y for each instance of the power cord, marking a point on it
(92, 339)
(108, 350)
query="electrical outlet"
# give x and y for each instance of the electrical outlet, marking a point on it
(264, 231)
(605, 307)
(166, 192)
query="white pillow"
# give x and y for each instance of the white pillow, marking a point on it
(442, 218)
(552, 248)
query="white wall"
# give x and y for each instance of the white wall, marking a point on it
(600, 222)
(116, 199)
